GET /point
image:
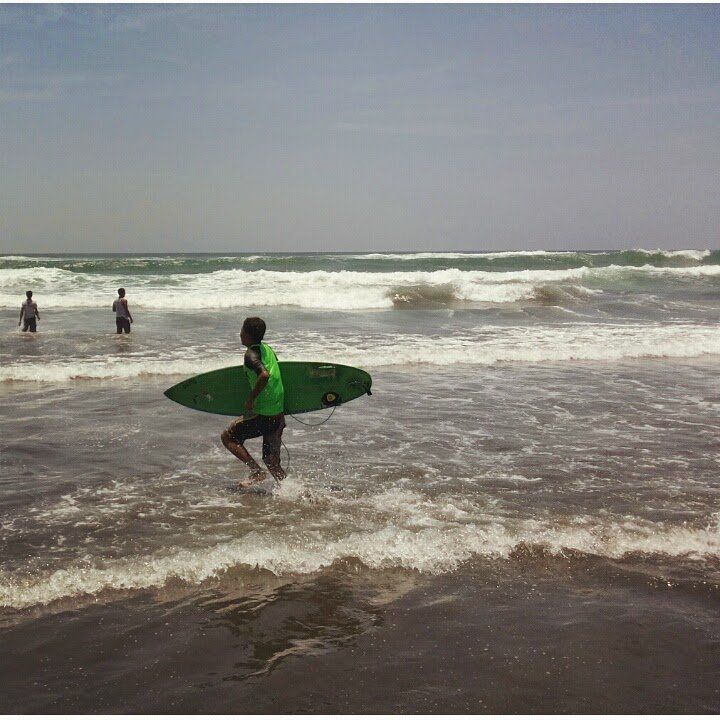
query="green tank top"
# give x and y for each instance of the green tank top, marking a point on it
(271, 401)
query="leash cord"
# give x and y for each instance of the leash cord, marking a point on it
(332, 412)
(286, 469)
(316, 424)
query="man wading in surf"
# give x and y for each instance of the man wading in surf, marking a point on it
(29, 314)
(264, 407)
(123, 318)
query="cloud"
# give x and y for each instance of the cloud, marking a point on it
(683, 96)
(142, 19)
(42, 14)
(33, 14)
(415, 129)
(484, 120)
(27, 95)
(7, 60)
(40, 89)
(129, 22)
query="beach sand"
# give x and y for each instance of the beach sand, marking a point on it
(530, 634)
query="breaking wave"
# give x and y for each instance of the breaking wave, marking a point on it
(427, 550)
(327, 290)
(189, 263)
(561, 295)
(568, 342)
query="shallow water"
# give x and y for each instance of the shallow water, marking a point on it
(565, 430)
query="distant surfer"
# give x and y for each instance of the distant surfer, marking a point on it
(29, 314)
(264, 407)
(123, 318)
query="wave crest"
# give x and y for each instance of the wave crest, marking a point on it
(424, 296)
(560, 295)
(488, 345)
(428, 550)
(325, 290)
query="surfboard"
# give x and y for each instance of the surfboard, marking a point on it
(309, 386)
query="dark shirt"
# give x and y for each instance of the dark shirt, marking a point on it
(253, 361)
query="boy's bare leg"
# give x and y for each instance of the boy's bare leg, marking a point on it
(239, 451)
(273, 465)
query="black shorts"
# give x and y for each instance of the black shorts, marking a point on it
(122, 324)
(269, 426)
(29, 324)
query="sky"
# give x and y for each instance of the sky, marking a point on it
(227, 128)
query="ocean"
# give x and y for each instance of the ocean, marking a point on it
(522, 517)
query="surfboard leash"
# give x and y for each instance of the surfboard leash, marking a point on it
(287, 467)
(317, 424)
(336, 399)
(332, 412)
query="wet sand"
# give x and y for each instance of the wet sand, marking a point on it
(530, 634)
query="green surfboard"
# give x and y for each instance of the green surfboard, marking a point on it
(308, 386)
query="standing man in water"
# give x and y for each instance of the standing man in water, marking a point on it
(264, 407)
(123, 318)
(29, 314)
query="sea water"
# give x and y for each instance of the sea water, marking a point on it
(562, 404)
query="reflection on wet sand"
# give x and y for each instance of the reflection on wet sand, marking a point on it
(306, 617)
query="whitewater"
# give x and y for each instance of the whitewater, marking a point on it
(562, 403)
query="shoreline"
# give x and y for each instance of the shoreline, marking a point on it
(533, 634)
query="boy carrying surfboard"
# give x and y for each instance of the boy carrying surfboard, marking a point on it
(264, 407)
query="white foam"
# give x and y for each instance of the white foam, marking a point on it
(343, 290)
(28, 258)
(427, 550)
(440, 255)
(568, 342)
(105, 369)
(694, 271)
(319, 289)
(697, 255)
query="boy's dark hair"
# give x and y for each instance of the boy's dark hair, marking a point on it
(255, 328)
(121, 292)
(28, 294)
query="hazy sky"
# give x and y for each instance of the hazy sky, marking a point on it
(342, 127)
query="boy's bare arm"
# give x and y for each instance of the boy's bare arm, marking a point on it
(127, 309)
